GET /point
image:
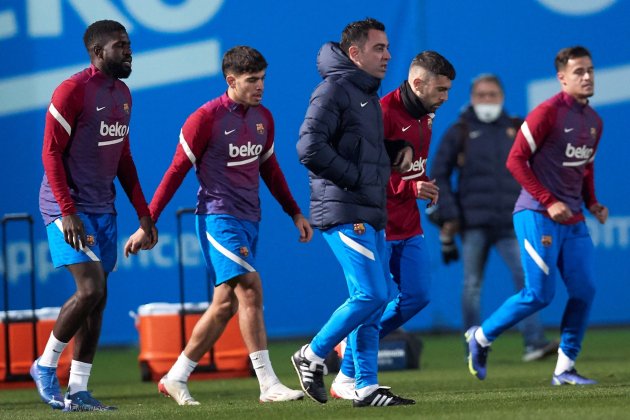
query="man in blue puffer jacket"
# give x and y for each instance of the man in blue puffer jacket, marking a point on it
(342, 144)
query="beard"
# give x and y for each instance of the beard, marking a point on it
(120, 70)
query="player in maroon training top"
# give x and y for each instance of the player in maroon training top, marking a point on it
(230, 143)
(86, 146)
(553, 159)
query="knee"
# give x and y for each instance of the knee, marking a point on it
(585, 293)
(538, 300)
(224, 311)
(91, 295)
(376, 300)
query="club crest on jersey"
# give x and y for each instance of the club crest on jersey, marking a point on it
(126, 108)
(546, 240)
(90, 240)
(594, 133)
(359, 228)
(244, 251)
(511, 132)
(260, 128)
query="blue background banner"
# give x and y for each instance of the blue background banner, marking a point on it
(178, 45)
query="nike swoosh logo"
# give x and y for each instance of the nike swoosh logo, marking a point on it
(100, 108)
(229, 132)
(363, 104)
(406, 128)
(568, 130)
(55, 351)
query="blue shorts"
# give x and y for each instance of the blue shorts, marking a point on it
(102, 234)
(228, 245)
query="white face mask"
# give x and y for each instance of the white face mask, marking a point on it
(488, 112)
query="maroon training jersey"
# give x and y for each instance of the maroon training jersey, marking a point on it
(86, 145)
(403, 217)
(553, 153)
(229, 145)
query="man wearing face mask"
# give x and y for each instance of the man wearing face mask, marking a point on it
(479, 204)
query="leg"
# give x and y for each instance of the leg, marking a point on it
(475, 247)
(576, 269)
(360, 254)
(248, 290)
(539, 254)
(539, 261)
(212, 323)
(90, 294)
(531, 327)
(408, 265)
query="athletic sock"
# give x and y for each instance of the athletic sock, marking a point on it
(310, 355)
(342, 378)
(79, 376)
(52, 352)
(481, 338)
(182, 369)
(264, 371)
(564, 363)
(365, 391)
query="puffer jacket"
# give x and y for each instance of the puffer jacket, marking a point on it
(484, 192)
(342, 145)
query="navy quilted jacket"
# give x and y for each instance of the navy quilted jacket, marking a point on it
(342, 145)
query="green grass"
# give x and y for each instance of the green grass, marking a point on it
(443, 388)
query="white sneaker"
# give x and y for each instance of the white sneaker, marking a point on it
(177, 390)
(279, 392)
(343, 390)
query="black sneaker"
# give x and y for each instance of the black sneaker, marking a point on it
(382, 397)
(311, 376)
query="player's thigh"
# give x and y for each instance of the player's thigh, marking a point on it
(540, 240)
(63, 254)
(228, 245)
(577, 261)
(415, 271)
(361, 251)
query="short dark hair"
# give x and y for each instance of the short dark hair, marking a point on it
(434, 63)
(567, 54)
(356, 33)
(243, 59)
(486, 77)
(100, 29)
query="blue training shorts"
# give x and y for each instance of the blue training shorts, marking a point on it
(228, 245)
(102, 235)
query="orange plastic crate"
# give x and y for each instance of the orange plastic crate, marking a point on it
(159, 328)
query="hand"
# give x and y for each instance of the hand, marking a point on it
(73, 231)
(136, 242)
(304, 227)
(428, 191)
(449, 249)
(600, 212)
(559, 212)
(148, 226)
(404, 160)
(450, 228)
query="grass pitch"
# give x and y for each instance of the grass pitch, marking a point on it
(443, 388)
